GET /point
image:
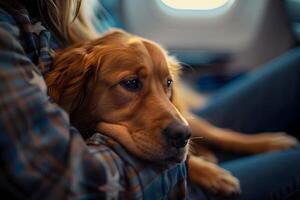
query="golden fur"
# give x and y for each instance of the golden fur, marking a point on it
(67, 19)
(85, 81)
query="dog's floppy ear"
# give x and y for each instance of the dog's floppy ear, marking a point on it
(72, 70)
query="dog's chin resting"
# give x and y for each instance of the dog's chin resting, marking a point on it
(139, 146)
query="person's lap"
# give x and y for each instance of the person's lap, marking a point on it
(268, 99)
(266, 176)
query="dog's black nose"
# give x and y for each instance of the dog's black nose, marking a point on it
(177, 134)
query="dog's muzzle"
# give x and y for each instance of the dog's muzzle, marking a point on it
(177, 134)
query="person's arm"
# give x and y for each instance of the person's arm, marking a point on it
(42, 156)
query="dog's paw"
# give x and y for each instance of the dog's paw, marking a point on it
(222, 182)
(212, 178)
(265, 142)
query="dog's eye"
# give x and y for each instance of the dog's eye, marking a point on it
(169, 83)
(131, 85)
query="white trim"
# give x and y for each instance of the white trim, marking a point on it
(195, 4)
(190, 11)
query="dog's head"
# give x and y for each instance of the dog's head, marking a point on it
(123, 86)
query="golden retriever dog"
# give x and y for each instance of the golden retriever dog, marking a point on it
(128, 88)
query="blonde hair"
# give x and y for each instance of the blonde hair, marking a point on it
(65, 18)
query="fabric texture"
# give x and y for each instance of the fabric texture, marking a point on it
(266, 99)
(42, 155)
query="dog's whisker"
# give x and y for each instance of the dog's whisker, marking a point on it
(192, 149)
(197, 138)
(190, 117)
(193, 144)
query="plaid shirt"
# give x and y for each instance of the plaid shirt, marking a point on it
(42, 156)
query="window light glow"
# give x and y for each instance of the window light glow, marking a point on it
(195, 4)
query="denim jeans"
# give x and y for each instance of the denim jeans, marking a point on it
(267, 99)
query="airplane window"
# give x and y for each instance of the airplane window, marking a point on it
(195, 4)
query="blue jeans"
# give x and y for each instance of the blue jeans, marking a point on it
(267, 99)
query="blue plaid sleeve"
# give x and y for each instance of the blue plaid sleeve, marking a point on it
(42, 156)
